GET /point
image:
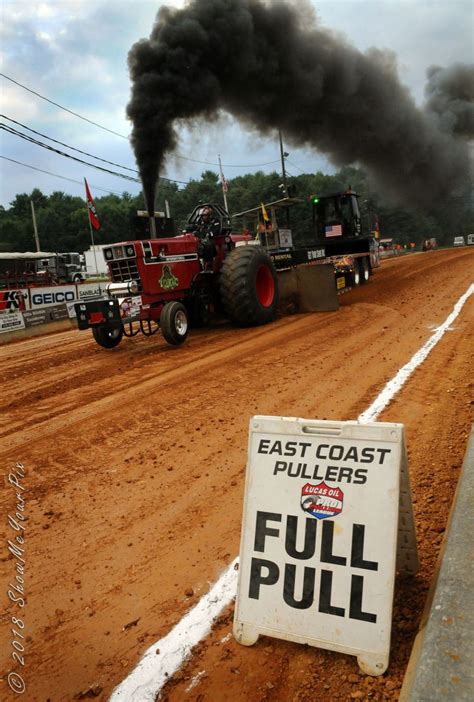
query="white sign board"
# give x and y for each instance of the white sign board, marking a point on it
(90, 290)
(286, 238)
(145, 213)
(319, 535)
(11, 321)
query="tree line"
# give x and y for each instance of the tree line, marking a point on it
(63, 225)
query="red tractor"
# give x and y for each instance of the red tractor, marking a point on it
(181, 280)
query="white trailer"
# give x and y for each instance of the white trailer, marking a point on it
(90, 260)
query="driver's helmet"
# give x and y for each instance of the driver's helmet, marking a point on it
(206, 214)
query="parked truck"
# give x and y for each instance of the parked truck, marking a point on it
(213, 265)
(22, 270)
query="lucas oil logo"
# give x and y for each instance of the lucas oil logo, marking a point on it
(168, 281)
(321, 501)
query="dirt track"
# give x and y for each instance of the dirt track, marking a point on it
(132, 454)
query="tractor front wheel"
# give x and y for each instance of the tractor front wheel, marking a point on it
(249, 286)
(174, 323)
(108, 337)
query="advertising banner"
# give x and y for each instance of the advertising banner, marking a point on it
(14, 300)
(45, 315)
(321, 535)
(11, 321)
(47, 297)
(90, 290)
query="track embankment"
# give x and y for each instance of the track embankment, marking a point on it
(135, 464)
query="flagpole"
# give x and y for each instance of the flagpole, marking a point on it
(93, 244)
(92, 238)
(222, 183)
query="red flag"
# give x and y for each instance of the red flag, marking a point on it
(94, 219)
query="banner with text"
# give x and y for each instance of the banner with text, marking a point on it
(11, 321)
(41, 305)
(320, 533)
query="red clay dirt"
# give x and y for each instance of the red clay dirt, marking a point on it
(131, 455)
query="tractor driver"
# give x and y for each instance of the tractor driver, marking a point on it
(208, 227)
(208, 223)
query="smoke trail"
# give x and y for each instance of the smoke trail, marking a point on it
(450, 96)
(272, 66)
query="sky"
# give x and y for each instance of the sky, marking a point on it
(74, 52)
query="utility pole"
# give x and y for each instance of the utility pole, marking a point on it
(283, 154)
(34, 225)
(223, 183)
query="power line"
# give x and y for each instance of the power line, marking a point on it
(31, 140)
(229, 165)
(15, 132)
(56, 175)
(295, 166)
(45, 136)
(122, 136)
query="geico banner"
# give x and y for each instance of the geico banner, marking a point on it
(45, 297)
(320, 532)
(11, 321)
(11, 300)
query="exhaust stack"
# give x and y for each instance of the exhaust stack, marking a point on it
(128, 287)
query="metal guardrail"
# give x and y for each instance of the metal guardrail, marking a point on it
(441, 665)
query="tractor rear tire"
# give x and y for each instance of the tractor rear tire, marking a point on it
(249, 286)
(174, 323)
(107, 337)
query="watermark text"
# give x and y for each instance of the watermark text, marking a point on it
(15, 543)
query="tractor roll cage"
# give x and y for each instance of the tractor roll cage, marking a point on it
(218, 217)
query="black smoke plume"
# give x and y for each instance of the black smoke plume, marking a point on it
(273, 67)
(450, 96)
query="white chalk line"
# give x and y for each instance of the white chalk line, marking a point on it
(398, 381)
(154, 670)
